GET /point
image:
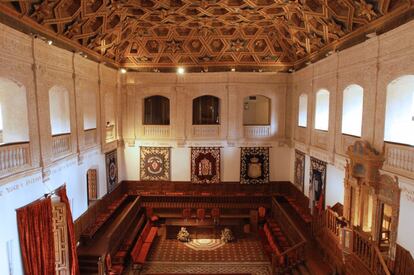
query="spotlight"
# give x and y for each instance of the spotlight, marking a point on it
(308, 63)
(233, 69)
(180, 70)
(371, 35)
(49, 42)
(291, 70)
(123, 71)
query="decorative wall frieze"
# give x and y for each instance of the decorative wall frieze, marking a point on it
(302, 147)
(7, 185)
(15, 44)
(323, 155)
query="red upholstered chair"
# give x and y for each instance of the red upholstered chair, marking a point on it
(201, 214)
(262, 212)
(150, 215)
(186, 213)
(215, 214)
(112, 269)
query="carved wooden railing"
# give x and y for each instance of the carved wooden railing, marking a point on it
(61, 145)
(90, 137)
(206, 131)
(256, 131)
(283, 262)
(404, 262)
(399, 158)
(368, 253)
(157, 131)
(14, 156)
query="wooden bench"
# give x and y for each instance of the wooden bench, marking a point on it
(143, 244)
(102, 218)
(303, 213)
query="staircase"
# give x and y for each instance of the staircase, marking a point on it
(88, 265)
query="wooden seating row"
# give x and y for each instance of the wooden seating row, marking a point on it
(102, 218)
(300, 210)
(143, 244)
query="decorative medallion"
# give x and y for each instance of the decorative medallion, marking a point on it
(205, 165)
(254, 165)
(299, 179)
(155, 163)
(111, 161)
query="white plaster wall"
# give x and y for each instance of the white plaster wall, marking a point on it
(24, 190)
(334, 185)
(406, 220)
(230, 164)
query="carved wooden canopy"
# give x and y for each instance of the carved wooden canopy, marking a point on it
(248, 34)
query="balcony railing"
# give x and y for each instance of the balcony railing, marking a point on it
(257, 131)
(399, 158)
(90, 137)
(206, 131)
(14, 156)
(61, 145)
(157, 131)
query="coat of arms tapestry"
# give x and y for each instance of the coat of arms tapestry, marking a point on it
(254, 168)
(111, 161)
(317, 184)
(155, 163)
(299, 180)
(205, 165)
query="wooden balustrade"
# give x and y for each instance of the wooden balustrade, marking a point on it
(61, 145)
(206, 131)
(14, 156)
(368, 254)
(294, 255)
(90, 137)
(404, 262)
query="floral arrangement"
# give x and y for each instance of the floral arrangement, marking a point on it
(227, 235)
(183, 235)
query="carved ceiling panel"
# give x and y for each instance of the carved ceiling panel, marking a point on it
(278, 34)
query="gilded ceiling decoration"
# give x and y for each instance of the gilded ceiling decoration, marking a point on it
(270, 34)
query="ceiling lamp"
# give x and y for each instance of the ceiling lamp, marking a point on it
(123, 71)
(180, 70)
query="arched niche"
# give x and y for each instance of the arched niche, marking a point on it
(352, 109)
(399, 111)
(303, 110)
(156, 110)
(206, 110)
(14, 115)
(256, 110)
(322, 110)
(59, 110)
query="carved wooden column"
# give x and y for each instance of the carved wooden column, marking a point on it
(60, 234)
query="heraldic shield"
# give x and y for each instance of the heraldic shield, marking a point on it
(205, 165)
(254, 168)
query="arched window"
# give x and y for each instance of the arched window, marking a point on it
(303, 110)
(322, 110)
(14, 123)
(353, 101)
(156, 110)
(89, 110)
(206, 110)
(256, 110)
(399, 112)
(59, 110)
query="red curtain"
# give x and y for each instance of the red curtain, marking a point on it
(35, 226)
(73, 256)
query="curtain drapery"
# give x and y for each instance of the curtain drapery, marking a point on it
(35, 227)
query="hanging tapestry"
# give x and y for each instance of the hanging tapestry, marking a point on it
(205, 165)
(317, 184)
(254, 168)
(299, 180)
(155, 163)
(111, 170)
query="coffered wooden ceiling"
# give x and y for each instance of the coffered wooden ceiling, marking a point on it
(268, 35)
